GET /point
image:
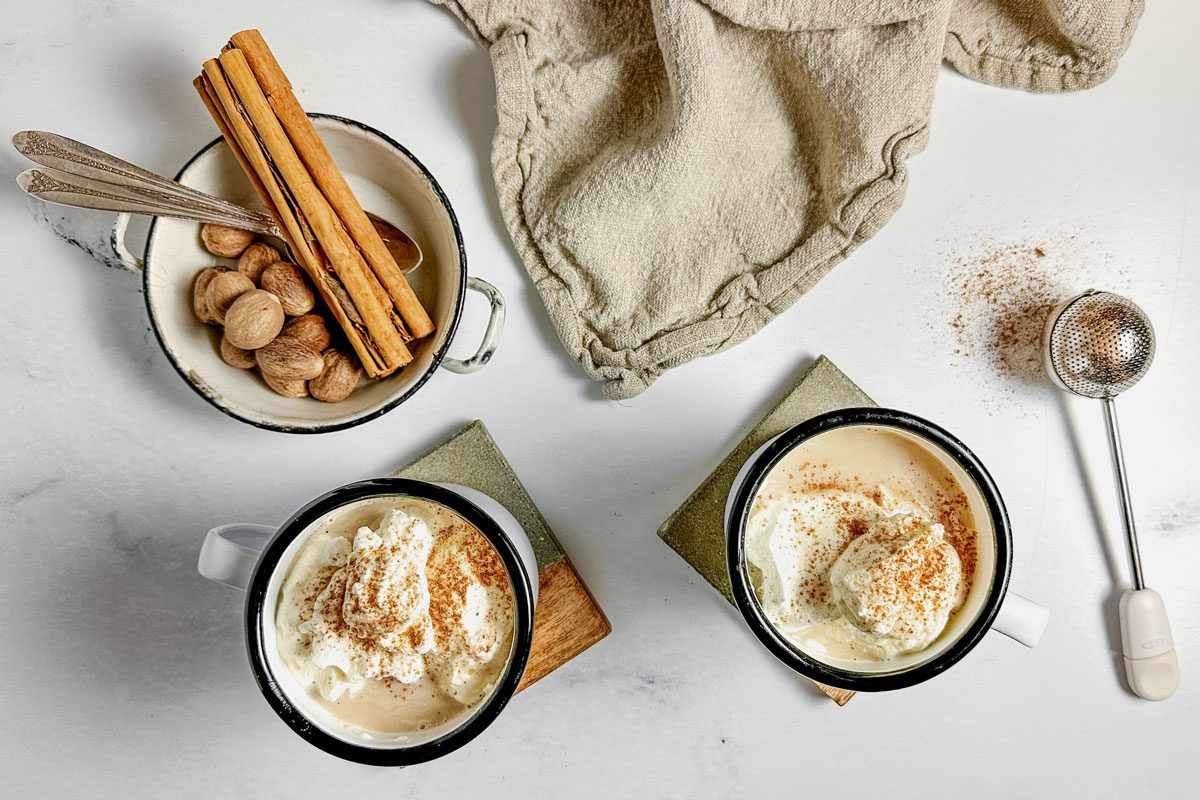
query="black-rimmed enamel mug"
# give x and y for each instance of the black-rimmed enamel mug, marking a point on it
(256, 558)
(389, 181)
(989, 604)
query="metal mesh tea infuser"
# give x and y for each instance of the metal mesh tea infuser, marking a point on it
(1098, 345)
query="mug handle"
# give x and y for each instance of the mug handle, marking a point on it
(230, 552)
(1021, 619)
(490, 336)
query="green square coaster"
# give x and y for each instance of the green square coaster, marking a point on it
(697, 528)
(568, 620)
(472, 458)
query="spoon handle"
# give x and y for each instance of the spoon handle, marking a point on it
(84, 192)
(64, 155)
(79, 175)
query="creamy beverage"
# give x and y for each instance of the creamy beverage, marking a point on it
(396, 615)
(861, 546)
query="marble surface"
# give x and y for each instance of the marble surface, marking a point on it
(127, 675)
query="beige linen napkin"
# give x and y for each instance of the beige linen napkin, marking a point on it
(675, 173)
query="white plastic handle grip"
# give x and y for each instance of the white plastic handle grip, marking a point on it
(1021, 619)
(1151, 665)
(230, 552)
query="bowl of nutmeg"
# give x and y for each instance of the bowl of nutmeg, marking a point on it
(292, 334)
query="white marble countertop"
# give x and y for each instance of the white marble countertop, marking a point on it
(127, 675)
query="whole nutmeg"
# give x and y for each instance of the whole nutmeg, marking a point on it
(285, 387)
(224, 241)
(338, 379)
(255, 259)
(289, 284)
(200, 293)
(235, 356)
(310, 329)
(288, 358)
(222, 290)
(253, 320)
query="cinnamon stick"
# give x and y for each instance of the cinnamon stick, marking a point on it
(310, 148)
(218, 97)
(369, 296)
(378, 358)
(205, 90)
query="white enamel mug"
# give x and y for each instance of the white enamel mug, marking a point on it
(988, 606)
(256, 558)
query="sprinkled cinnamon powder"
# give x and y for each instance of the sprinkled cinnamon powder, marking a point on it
(950, 513)
(449, 580)
(390, 611)
(917, 576)
(1002, 297)
(996, 295)
(951, 510)
(856, 526)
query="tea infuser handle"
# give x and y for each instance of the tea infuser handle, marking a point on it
(1021, 619)
(491, 336)
(230, 552)
(1151, 665)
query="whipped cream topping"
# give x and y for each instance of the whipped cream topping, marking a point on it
(851, 573)
(371, 619)
(900, 580)
(418, 599)
(473, 621)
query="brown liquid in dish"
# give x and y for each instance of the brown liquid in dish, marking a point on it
(390, 707)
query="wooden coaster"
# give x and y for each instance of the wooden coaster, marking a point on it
(697, 528)
(567, 620)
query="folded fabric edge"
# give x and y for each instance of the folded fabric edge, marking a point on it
(460, 13)
(988, 64)
(804, 16)
(619, 372)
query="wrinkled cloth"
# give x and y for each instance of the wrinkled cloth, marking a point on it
(675, 173)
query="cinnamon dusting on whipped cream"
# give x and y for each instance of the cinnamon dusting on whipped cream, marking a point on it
(866, 562)
(416, 600)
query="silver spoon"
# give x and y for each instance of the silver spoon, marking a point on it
(76, 174)
(1098, 345)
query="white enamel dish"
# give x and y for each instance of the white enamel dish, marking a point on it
(388, 181)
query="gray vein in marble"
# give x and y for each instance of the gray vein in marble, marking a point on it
(1181, 517)
(21, 495)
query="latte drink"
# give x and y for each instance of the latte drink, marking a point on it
(395, 617)
(862, 546)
